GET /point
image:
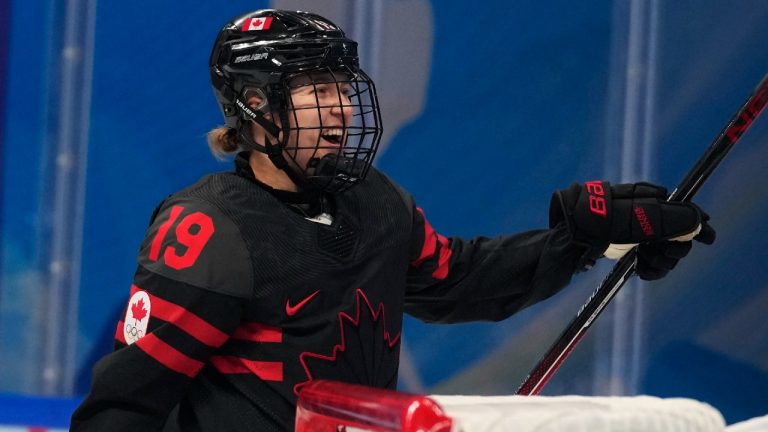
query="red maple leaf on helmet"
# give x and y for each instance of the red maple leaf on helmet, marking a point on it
(138, 310)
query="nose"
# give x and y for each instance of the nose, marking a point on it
(343, 107)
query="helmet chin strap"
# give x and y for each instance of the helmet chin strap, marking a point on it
(273, 150)
(336, 165)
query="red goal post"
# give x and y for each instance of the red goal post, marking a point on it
(328, 406)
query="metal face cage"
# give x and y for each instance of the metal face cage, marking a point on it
(331, 126)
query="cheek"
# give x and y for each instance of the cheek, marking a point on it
(307, 130)
(305, 118)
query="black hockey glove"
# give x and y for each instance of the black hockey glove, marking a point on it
(656, 259)
(598, 215)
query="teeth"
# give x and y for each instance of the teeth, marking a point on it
(333, 132)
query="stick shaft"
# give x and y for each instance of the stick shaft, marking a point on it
(624, 269)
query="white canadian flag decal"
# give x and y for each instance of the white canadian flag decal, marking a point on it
(257, 23)
(137, 317)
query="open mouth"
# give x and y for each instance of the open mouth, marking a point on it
(334, 136)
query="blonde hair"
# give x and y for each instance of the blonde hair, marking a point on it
(224, 141)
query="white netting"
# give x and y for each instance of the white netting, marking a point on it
(757, 424)
(580, 414)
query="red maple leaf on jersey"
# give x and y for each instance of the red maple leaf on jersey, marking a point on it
(366, 349)
(138, 310)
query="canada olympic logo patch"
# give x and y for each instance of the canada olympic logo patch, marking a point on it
(136, 317)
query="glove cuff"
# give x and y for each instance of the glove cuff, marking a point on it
(586, 210)
(594, 211)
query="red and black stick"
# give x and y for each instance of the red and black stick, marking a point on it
(625, 268)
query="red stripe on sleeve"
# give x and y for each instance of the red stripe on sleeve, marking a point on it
(268, 371)
(430, 241)
(256, 332)
(185, 320)
(441, 272)
(169, 356)
(431, 238)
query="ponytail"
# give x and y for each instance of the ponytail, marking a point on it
(224, 141)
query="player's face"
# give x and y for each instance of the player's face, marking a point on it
(320, 115)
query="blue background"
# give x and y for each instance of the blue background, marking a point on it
(518, 103)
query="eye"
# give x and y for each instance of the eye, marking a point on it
(321, 89)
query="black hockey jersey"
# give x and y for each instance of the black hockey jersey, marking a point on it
(239, 301)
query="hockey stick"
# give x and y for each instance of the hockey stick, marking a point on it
(624, 269)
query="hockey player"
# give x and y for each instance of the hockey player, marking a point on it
(299, 264)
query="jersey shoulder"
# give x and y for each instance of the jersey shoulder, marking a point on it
(382, 181)
(192, 239)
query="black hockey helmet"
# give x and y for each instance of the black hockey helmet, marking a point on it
(270, 54)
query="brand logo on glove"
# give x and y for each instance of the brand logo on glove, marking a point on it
(596, 198)
(642, 219)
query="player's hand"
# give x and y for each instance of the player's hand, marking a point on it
(656, 259)
(600, 215)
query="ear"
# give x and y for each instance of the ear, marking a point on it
(254, 101)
